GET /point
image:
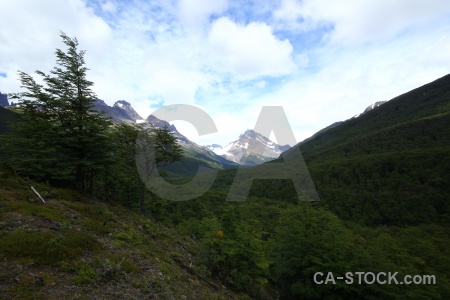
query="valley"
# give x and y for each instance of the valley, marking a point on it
(382, 179)
(97, 202)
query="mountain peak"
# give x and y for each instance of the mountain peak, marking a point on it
(251, 148)
(250, 133)
(122, 104)
(129, 111)
(120, 112)
(376, 104)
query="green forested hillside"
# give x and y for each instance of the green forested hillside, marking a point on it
(391, 165)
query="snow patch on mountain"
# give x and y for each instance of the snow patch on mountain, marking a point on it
(214, 147)
(369, 108)
(224, 150)
(251, 148)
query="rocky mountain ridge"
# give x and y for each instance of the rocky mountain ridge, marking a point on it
(123, 112)
(120, 112)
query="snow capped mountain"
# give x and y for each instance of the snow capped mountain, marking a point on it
(120, 112)
(250, 149)
(191, 149)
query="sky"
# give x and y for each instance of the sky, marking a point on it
(323, 61)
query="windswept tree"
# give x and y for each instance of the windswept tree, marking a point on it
(58, 136)
(124, 179)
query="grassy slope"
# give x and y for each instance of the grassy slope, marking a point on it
(79, 248)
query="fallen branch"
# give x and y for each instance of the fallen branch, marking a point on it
(38, 194)
(118, 266)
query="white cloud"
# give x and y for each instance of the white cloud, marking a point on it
(229, 125)
(232, 59)
(359, 21)
(288, 12)
(109, 7)
(195, 13)
(28, 43)
(354, 79)
(261, 84)
(250, 51)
